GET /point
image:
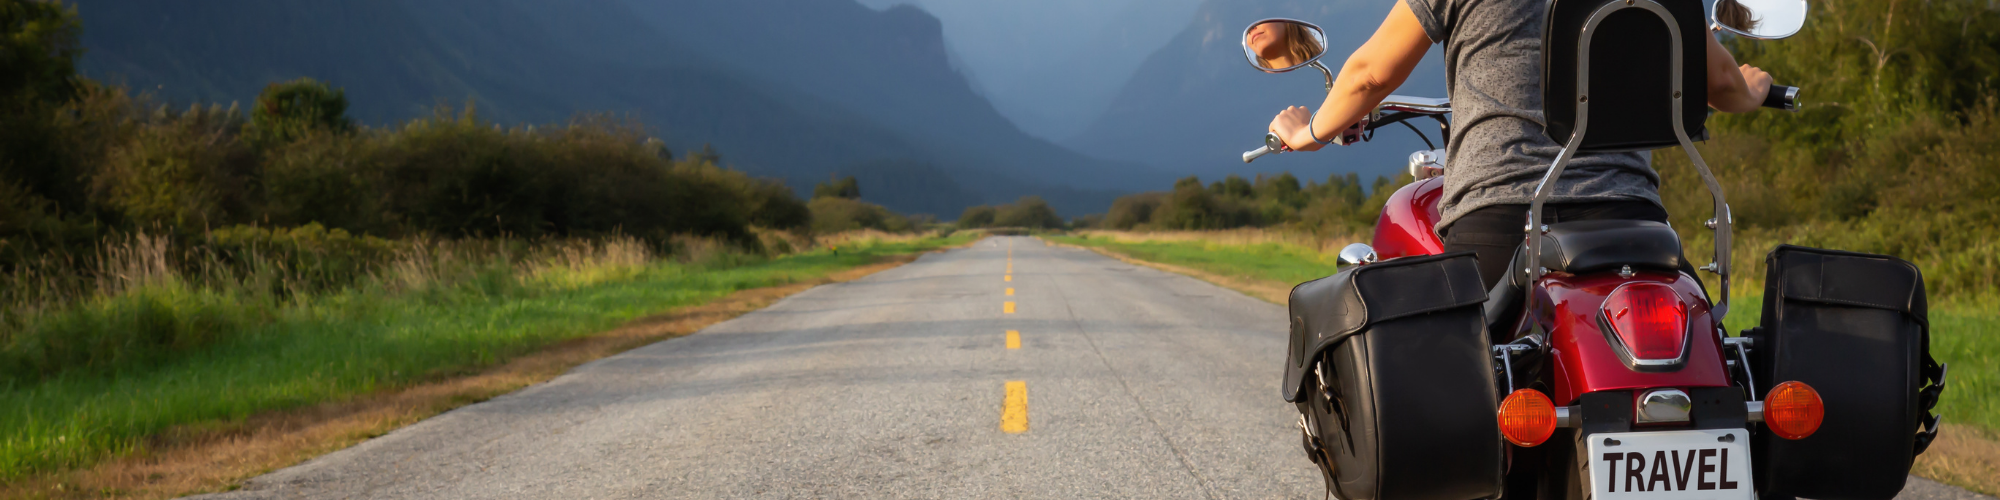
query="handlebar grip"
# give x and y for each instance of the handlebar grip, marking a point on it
(1782, 97)
(1253, 155)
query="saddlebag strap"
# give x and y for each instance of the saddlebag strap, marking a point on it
(1927, 399)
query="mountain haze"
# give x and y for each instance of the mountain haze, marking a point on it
(795, 89)
(1196, 105)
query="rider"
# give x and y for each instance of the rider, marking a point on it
(1497, 150)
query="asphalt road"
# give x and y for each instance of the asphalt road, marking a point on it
(1126, 383)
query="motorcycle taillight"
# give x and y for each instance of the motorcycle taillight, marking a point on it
(1649, 320)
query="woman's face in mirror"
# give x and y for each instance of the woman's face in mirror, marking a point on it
(1270, 41)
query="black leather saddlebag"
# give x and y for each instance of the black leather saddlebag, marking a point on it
(1391, 368)
(1853, 326)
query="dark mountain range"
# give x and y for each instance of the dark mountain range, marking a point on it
(794, 89)
(1196, 105)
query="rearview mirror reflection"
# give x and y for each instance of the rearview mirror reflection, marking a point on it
(1280, 45)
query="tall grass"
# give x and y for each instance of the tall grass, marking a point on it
(96, 376)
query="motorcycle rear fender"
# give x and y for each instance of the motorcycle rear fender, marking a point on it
(1582, 359)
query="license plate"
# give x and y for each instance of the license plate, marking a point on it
(1671, 465)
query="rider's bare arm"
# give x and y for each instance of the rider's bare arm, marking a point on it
(1370, 75)
(1733, 88)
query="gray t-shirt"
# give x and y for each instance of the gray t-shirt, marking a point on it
(1493, 60)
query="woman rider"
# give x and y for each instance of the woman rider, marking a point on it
(1497, 150)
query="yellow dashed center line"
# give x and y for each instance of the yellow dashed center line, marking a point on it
(1013, 339)
(1014, 413)
(1009, 278)
(1007, 307)
(1010, 292)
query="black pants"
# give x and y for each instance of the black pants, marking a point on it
(1493, 233)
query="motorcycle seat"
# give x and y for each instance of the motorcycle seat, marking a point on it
(1588, 246)
(1584, 247)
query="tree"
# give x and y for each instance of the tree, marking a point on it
(1028, 212)
(845, 187)
(38, 51)
(288, 111)
(979, 216)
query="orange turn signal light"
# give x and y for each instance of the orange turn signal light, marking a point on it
(1527, 418)
(1793, 410)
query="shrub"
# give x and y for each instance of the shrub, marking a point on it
(309, 258)
(835, 215)
(1029, 212)
(183, 170)
(845, 187)
(977, 216)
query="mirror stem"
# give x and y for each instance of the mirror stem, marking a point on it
(1324, 71)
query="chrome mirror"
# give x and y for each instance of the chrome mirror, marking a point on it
(1357, 254)
(1280, 45)
(1760, 19)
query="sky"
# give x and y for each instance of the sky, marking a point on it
(1052, 66)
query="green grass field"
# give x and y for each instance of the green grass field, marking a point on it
(1965, 332)
(358, 342)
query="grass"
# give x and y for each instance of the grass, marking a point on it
(1965, 332)
(1235, 254)
(364, 341)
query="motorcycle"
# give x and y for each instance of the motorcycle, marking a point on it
(1613, 373)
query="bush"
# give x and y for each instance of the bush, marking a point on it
(309, 258)
(835, 215)
(846, 187)
(184, 170)
(1029, 212)
(977, 216)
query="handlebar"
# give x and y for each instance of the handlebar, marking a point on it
(1272, 144)
(1394, 109)
(1782, 97)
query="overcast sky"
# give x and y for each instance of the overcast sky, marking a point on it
(1052, 66)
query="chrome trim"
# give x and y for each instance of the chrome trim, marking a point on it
(1712, 24)
(1427, 164)
(1743, 345)
(1792, 99)
(1754, 410)
(1357, 254)
(1272, 144)
(1663, 405)
(1418, 105)
(1324, 72)
(1565, 417)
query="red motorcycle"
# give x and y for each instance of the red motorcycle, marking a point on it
(1605, 364)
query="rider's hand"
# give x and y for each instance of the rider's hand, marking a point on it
(1294, 126)
(1757, 80)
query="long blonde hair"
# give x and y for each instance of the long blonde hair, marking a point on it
(1304, 46)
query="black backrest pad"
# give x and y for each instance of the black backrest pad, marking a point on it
(1631, 91)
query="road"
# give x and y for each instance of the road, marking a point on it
(1006, 370)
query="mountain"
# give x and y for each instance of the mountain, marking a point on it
(1051, 66)
(794, 89)
(1196, 105)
